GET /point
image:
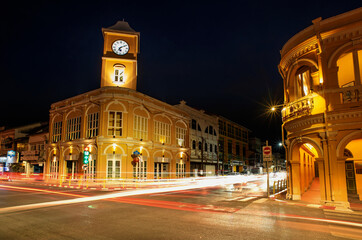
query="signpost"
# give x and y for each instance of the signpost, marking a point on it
(267, 157)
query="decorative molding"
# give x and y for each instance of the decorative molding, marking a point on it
(306, 47)
(342, 116)
(303, 121)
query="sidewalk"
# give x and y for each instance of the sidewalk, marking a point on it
(311, 198)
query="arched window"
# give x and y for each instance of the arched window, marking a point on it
(349, 68)
(302, 81)
(210, 147)
(205, 147)
(200, 146)
(347, 153)
(211, 129)
(193, 124)
(206, 129)
(193, 144)
(119, 74)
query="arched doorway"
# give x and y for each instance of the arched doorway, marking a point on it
(302, 165)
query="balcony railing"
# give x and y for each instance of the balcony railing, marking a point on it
(350, 94)
(302, 107)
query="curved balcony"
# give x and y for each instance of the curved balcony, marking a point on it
(308, 105)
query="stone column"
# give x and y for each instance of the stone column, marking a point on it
(295, 170)
(322, 184)
(325, 174)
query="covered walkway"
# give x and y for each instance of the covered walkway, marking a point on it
(313, 196)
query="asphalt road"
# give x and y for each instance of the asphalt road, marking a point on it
(207, 213)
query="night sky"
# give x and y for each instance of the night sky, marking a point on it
(216, 55)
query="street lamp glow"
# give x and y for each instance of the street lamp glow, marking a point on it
(273, 109)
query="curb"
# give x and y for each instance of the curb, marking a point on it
(312, 205)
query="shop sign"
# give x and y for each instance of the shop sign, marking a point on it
(11, 156)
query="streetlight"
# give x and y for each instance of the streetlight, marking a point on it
(274, 107)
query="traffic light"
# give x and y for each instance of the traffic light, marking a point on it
(86, 155)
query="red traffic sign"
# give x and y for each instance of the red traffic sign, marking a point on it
(267, 153)
(267, 150)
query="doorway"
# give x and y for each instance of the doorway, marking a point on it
(161, 170)
(72, 169)
(350, 178)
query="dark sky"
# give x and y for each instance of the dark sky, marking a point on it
(220, 56)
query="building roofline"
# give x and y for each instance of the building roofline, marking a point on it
(320, 25)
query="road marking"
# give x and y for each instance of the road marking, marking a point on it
(261, 200)
(343, 216)
(234, 199)
(246, 199)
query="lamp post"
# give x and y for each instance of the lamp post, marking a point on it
(273, 108)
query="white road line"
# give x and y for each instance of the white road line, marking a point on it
(234, 199)
(261, 200)
(246, 199)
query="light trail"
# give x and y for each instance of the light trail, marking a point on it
(40, 190)
(196, 185)
(177, 205)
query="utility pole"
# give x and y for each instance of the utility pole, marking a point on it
(267, 174)
(267, 157)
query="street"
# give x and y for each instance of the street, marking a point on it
(204, 213)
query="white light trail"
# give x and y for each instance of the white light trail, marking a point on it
(206, 182)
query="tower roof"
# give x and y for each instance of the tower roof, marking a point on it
(120, 26)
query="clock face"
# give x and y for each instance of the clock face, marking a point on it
(120, 47)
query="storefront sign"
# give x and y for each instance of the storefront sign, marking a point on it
(11, 156)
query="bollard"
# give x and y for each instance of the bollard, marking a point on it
(104, 183)
(69, 182)
(274, 187)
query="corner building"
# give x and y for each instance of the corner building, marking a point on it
(322, 116)
(115, 121)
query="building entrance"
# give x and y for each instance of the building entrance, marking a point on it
(350, 178)
(161, 170)
(72, 169)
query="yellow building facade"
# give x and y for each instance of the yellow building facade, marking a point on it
(322, 114)
(128, 135)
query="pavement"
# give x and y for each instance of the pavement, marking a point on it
(311, 198)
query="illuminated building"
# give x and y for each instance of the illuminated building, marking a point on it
(233, 145)
(18, 140)
(129, 135)
(322, 114)
(34, 154)
(204, 133)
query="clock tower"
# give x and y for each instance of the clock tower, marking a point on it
(119, 61)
